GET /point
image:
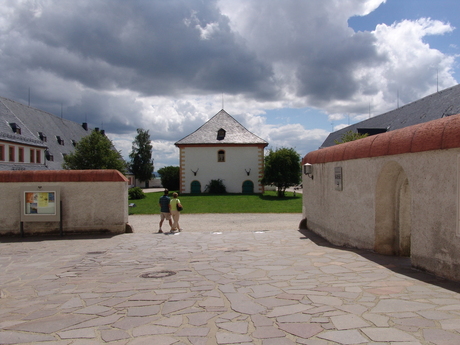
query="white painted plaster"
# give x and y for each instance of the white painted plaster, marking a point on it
(351, 217)
(87, 207)
(233, 172)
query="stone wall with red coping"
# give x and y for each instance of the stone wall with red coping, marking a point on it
(408, 176)
(94, 201)
(434, 135)
(63, 176)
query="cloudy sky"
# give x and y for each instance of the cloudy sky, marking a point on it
(290, 71)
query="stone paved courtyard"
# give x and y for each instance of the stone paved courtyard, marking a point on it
(248, 281)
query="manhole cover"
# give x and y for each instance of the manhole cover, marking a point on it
(159, 274)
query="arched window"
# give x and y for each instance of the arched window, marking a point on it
(221, 156)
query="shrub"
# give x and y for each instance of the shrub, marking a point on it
(136, 193)
(216, 187)
(170, 177)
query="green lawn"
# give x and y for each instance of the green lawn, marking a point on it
(227, 203)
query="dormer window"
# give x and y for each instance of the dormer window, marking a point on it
(59, 140)
(15, 127)
(49, 156)
(221, 134)
(74, 143)
(42, 136)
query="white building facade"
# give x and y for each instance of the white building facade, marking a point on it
(221, 149)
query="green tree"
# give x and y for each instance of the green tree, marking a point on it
(350, 136)
(282, 169)
(95, 151)
(170, 177)
(141, 157)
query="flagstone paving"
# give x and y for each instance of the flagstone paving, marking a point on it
(272, 285)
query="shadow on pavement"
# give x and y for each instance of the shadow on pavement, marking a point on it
(53, 237)
(397, 264)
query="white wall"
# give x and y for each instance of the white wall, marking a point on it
(385, 198)
(87, 207)
(238, 160)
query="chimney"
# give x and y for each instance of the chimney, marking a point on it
(85, 126)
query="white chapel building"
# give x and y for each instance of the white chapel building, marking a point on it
(221, 149)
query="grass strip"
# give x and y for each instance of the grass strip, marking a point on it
(224, 203)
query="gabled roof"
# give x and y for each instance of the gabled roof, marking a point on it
(7, 117)
(235, 133)
(438, 105)
(32, 122)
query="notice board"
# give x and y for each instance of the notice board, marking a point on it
(40, 204)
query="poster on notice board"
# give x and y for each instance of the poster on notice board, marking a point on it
(40, 202)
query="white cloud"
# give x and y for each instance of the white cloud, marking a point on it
(164, 65)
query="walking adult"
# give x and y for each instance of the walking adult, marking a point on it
(174, 206)
(165, 212)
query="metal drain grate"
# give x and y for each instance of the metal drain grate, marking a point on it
(95, 253)
(236, 250)
(158, 274)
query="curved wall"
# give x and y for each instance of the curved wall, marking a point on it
(399, 194)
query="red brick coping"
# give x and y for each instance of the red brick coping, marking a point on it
(433, 135)
(63, 176)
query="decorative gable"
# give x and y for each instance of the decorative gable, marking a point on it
(213, 132)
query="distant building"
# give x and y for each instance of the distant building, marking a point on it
(436, 106)
(32, 139)
(221, 149)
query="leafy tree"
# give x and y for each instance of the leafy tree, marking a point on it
(170, 177)
(282, 169)
(95, 151)
(141, 156)
(350, 136)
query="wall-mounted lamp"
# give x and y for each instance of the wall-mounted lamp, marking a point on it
(195, 172)
(308, 170)
(248, 172)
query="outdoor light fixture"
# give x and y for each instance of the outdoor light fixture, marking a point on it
(308, 170)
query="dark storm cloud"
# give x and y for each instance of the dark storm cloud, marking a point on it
(152, 47)
(327, 72)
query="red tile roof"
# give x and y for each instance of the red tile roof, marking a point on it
(433, 135)
(63, 176)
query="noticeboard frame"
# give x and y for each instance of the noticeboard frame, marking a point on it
(41, 204)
